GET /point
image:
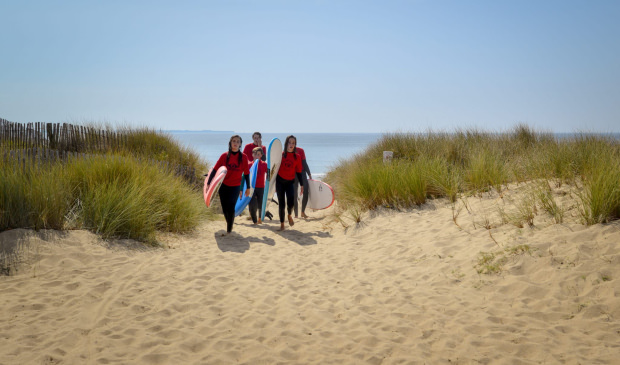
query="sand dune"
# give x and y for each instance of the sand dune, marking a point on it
(400, 288)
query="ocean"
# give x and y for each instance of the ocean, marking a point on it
(323, 150)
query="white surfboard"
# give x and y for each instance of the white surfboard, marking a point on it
(274, 159)
(320, 195)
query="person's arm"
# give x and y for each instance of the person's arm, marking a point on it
(246, 176)
(247, 180)
(211, 176)
(306, 168)
(301, 185)
(218, 164)
(298, 171)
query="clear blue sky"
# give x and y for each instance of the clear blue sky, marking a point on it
(313, 66)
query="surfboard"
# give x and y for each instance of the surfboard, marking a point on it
(274, 159)
(320, 195)
(245, 200)
(215, 183)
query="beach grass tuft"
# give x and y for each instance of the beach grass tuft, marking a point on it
(600, 197)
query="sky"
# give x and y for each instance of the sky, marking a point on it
(313, 66)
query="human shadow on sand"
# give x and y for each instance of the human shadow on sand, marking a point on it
(234, 242)
(301, 238)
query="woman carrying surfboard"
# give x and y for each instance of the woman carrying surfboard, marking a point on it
(285, 181)
(257, 198)
(230, 190)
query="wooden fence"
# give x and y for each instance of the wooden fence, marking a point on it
(48, 142)
(65, 137)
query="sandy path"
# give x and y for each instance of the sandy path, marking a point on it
(402, 288)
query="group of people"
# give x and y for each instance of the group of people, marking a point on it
(292, 175)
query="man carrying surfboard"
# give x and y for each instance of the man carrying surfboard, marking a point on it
(237, 165)
(290, 167)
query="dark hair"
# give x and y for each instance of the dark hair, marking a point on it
(286, 145)
(230, 148)
(255, 133)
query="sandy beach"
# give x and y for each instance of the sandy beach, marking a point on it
(402, 287)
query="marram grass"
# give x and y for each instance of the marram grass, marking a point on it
(398, 184)
(111, 195)
(600, 198)
(440, 164)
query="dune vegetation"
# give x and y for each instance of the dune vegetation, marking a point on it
(131, 190)
(471, 162)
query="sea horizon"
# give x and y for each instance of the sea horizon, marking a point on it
(323, 150)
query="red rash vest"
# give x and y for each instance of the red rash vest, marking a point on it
(247, 151)
(260, 174)
(235, 170)
(291, 164)
(301, 152)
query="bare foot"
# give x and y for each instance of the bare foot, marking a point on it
(291, 222)
(260, 221)
(304, 215)
(281, 227)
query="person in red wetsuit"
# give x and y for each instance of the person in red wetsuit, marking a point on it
(304, 182)
(257, 141)
(237, 165)
(285, 181)
(256, 203)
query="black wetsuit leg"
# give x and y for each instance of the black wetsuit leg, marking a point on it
(228, 199)
(256, 203)
(284, 189)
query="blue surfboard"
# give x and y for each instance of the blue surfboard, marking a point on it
(245, 200)
(274, 159)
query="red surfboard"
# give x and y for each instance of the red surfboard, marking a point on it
(215, 183)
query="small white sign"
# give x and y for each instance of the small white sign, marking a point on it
(387, 156)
